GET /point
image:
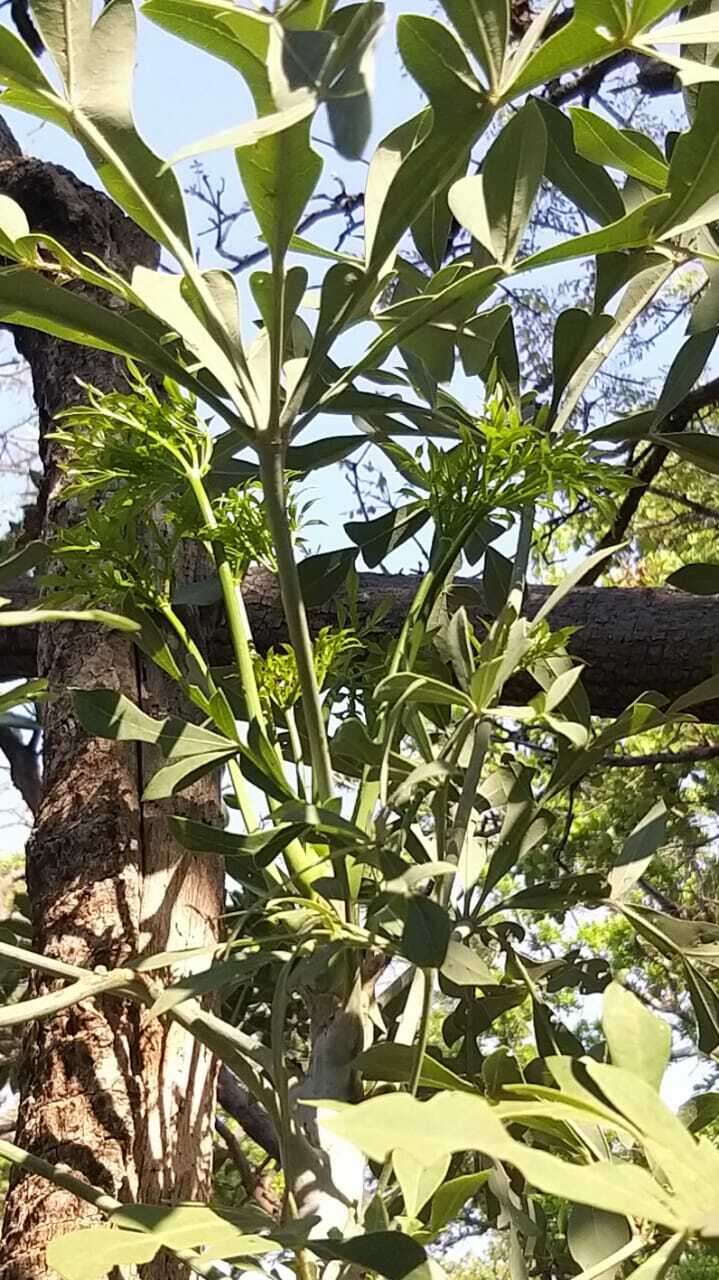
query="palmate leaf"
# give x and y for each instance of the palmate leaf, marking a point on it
(400, 192)
(454, 1122)
(96, 63)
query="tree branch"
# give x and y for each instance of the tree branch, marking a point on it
(702, 398)
(237, 1101)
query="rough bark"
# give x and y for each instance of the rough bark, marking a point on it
(128, 1106)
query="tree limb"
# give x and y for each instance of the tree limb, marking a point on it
(702, 398)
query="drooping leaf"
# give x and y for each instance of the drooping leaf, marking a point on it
(696, 447)
(576, 334)
(393, 1063)
(378, 537)
(464, 967)
(705, 1003)
(27, 557)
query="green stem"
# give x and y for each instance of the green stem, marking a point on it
(234, 605)
(296, 748)
(423, 1034)
(272, 472)
(60, 1176)
(239, 785)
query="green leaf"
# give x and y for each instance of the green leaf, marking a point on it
(91, 1253)
(705, 1003)
(221, 976)
(279, 174)
(571, 580)
(465, 968)
(109, 714)
(389, 1253)
(495, 207)
(451, 1122)
(598, 140)
(633, 231)
(349, 104)
(657, 1266)
(418, 1182)
(496, 580)
(29, 300)
(186, 1226)
(698, 579)
(561, 894)
(426, 934)
(587, 185)
(483, 26)
(700, 449)
(700, 1111)
(646, 12)
(686, 368)
(593, 1235)
(450, 1198)
(458, 118)
(638, 1041)
(31, 617)
(97, 63)
(392, 1062)
(169, 297)
(576, 334)
(181, 773)
(409, 686)
(377, 538)
(638, 850)
(28, 691)
(27, 557)
(323, 576)
(692, 182)
(594, 32)
(264, 845)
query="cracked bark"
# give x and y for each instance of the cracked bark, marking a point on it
(130, 1107)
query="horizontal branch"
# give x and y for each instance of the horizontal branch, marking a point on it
(631, 639)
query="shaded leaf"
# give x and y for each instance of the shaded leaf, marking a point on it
(638, 850)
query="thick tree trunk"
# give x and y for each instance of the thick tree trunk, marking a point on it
(128, 1106)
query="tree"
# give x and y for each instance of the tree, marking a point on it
(138, 492)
